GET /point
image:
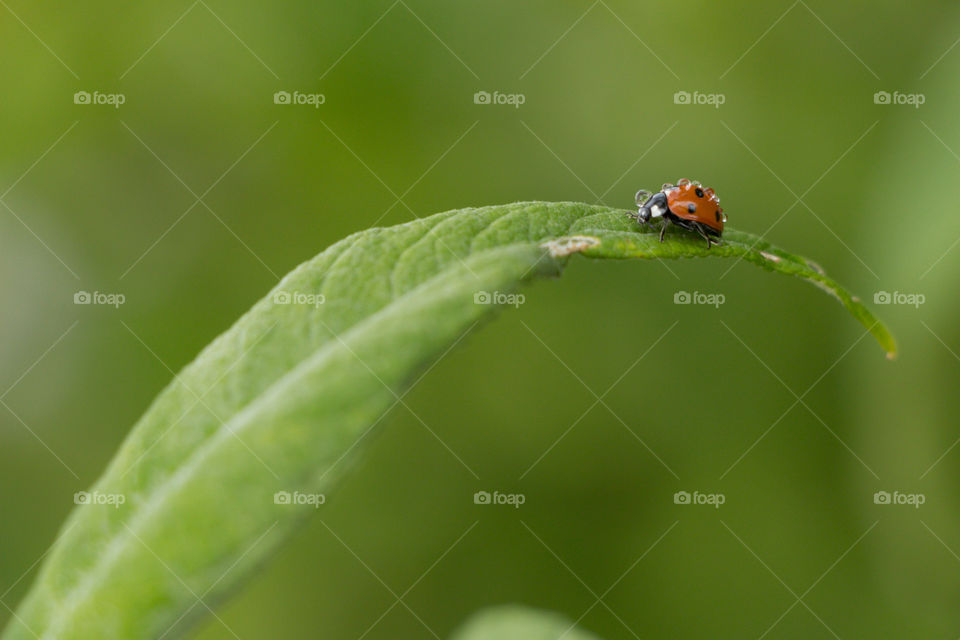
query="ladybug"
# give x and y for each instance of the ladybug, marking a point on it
(686, 204)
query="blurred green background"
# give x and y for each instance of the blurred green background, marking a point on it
(198, 192)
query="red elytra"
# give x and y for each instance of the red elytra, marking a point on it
(689, 201)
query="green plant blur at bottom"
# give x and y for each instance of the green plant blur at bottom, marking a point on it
(281, 402)
(519, 623)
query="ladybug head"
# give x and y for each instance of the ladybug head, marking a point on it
(650, 205)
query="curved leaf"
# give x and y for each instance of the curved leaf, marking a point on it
(279, 402)
(512, 622)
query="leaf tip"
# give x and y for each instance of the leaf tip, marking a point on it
(885, 338)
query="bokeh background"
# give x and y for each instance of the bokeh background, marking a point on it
(193, 196)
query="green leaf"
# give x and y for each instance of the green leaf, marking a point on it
(511, 622)
(279, 402)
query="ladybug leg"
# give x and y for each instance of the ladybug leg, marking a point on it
(703, 234)
(663, 228)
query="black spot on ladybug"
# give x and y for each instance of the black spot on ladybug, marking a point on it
(717, 214)
(699, 192)
(692, 208)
